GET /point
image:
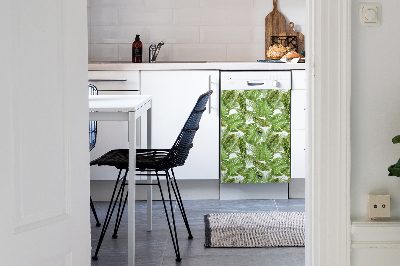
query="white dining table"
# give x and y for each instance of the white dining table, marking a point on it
(127, 108)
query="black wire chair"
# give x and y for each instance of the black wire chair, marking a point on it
(149, 161)
(92, 143)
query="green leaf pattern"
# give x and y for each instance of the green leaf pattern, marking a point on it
(255, 136)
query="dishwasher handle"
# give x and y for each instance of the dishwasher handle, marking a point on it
(249, 83)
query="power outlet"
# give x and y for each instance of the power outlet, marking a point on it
(378, 206)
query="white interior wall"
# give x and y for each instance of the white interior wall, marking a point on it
(374, 122)
(193, 30)
(375, 108)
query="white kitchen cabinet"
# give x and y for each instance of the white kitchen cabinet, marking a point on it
(174, 96)
(112, 134)
(298, 109)
(298, 124)
(298, 158)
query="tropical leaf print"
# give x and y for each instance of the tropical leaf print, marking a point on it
(255, 136)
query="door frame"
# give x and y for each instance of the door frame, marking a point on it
(328, 221)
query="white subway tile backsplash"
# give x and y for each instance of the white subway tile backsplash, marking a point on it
(172, 3)
(115, 34)
(199, 52)
(173, 34)
(246, 17)
(105, 16)
(266, 5)
(214, 3)
(192, 30)
(258, 35)
(246, 53)
(226, 3)
(199, 16)
(119, 3)
(145, 17)
(224, 34)
(239, 4)
(125, 52)
(294, 10)
(104, 52)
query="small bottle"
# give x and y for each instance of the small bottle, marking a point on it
(137, 50)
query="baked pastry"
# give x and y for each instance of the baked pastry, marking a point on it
(277, 51)
(293, 55)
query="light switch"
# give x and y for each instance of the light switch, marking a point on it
(369, 14)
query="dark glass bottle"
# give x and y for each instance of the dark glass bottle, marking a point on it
(137, 50)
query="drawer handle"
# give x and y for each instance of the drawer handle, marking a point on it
(100, 80)
(209, 99)
(254, 83)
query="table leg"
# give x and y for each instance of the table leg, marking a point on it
(149, 178)
(132, 190)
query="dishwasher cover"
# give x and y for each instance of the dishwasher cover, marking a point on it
(255, 136)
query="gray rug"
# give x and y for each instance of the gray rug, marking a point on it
(271, 229)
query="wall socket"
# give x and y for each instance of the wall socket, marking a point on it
(378, 206)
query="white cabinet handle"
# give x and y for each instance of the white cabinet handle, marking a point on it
(209, 99)
(254, 83)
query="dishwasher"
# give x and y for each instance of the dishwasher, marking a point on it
(255, 132)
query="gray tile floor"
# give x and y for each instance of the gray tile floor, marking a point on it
(155, 248)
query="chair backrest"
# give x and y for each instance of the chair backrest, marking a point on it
(180, 150)
(92, 124)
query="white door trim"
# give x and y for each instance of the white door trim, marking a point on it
(328, 154)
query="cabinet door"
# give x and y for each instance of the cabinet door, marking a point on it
(174, 96)
(298, 111)
(298, 153)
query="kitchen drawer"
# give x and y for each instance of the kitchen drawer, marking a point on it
(115, 80)
(298, 79)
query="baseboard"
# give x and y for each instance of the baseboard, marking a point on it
(297, 188)
(254, 191)
(198, 189)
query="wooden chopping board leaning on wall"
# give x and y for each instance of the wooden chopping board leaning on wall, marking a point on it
(299, 36)
(275, 24)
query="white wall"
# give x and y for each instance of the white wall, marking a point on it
(193, 30)
(375, 120)
(375, 108)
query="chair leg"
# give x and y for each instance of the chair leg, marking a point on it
(120, 211)
(109, 212)
(174, 239)
(180, 203)
(94, 213)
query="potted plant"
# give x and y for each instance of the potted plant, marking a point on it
(394, 170)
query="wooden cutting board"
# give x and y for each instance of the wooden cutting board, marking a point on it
(275, 23)
(292, 32)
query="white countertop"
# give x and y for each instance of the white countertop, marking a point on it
(196, 66)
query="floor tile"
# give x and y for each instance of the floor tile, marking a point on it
(156, 249)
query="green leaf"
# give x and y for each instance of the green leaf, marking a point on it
(394, 170)
(396, 139)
